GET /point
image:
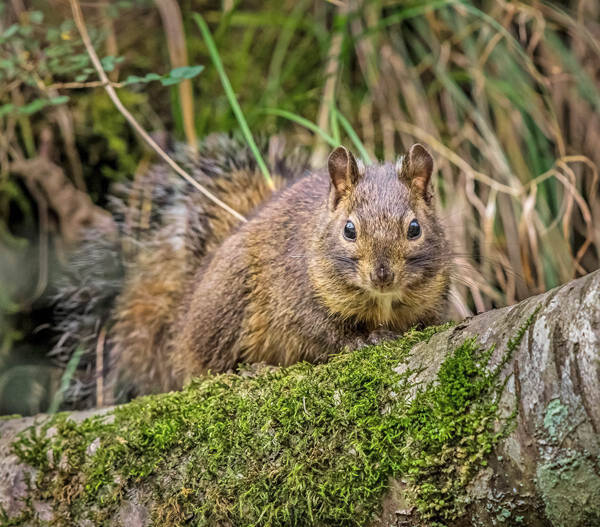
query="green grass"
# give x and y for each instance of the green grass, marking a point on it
(214, 55)
(65, 381)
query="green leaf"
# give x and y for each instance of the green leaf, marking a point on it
(52, 34)
(132, 79)
(149, 77)
(178, 74)
(61, 99)
(36, 17)
(6, 109)
(58, 50)
(186, 72)
(135, 79)
(65, 380)
(168, 81)
(109, 63)
(7, 68)
(353, 135)
(10, 31)
(302, 122)
(67, 25)
(33, 107)
(233, 102)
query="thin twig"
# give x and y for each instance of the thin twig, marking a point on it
(82, 85)
(100, 368)
(80, 23)
(456, 160)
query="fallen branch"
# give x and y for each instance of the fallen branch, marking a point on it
(73, 207)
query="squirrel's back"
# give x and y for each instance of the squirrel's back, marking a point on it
(122, 290)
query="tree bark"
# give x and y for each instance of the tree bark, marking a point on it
(545, 471)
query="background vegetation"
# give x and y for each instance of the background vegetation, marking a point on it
(505, 93)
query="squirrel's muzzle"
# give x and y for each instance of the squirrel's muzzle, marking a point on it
(382, 276)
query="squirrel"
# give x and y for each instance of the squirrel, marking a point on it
(332, 260)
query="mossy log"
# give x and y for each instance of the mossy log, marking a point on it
(494, 421)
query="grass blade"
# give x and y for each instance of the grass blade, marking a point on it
(352, 135)
(214, 55)
(294, 117)
(65, 380)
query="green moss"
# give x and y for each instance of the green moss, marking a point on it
(301, 445)
(33, 445)
(8, 417)
(7, 521)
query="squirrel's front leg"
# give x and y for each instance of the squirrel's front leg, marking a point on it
(380, 335)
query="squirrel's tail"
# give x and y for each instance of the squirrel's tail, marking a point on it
(119, 298)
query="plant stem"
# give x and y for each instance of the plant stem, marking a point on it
(214, 55)
(80, 23)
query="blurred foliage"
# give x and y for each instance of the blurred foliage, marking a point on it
(505, 93)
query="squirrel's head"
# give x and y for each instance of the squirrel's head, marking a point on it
(382, 235)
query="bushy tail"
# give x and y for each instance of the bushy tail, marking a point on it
(120, 295)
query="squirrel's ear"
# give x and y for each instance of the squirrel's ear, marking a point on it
(343, 172)
(416, 169)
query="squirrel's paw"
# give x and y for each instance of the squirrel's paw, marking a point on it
(372, 339)
(381, 335)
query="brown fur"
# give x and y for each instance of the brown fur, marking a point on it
(133, 286)
(147, 309)
(287, 286)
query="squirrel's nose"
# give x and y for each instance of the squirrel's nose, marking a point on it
(382, 275)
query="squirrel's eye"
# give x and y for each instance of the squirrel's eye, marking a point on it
(350, 231)
(414, 230)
